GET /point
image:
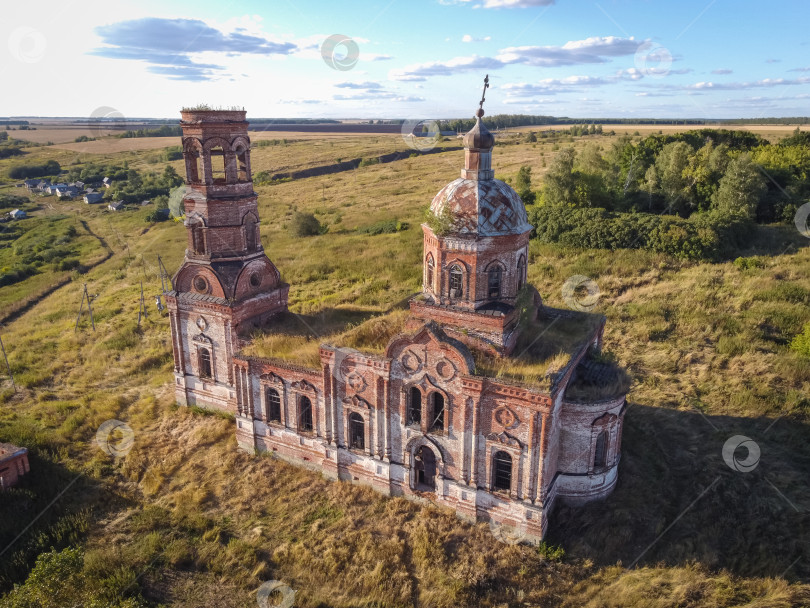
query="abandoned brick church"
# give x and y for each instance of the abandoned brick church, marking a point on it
(484, 400)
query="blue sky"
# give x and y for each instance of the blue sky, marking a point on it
(408, 59)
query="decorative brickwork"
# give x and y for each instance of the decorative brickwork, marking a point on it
(420, 420)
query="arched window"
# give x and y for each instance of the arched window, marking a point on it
(205, 363)
(456, 282)
(430, 267)
(305, 414)
(501, 472)
(250, 233)
(198, 238)
(600, 454)
(241, 165)
(494, 281)
(521, 272)
(273, 404)
(437, 413)
(415, 407)
(357, 438)
(217, 164)
(193, 166)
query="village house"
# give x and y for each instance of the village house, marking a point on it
(479, 398)
(116, 206)
(93, 197)
(37, 185)
(17, 214)
(13, 464)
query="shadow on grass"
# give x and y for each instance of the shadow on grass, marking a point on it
(677, 501)
(776, 239)
(52, 507)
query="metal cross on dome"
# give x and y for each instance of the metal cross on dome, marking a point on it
(483, 93)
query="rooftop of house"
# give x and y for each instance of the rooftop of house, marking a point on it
(8, 450)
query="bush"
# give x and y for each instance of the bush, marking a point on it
(702, 236)
(306, 224)
(801, 343)
(50, 167)
(384, 227)
(748, 263)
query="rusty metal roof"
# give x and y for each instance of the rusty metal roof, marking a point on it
(482, 207)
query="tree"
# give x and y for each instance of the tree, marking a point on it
(559, 183)
(741, 188)
(671, 165)
(305, 224)
(651, 183)
(523, 185)
(531, 137)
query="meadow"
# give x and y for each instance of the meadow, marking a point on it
(184, 519)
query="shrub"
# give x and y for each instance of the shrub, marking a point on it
(305, 224)
(553, 553)
(384, 227)
(50, 167)
(703, 236)
(801, 343)
(748, 263)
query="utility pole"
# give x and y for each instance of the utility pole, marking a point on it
(8, 367)
(85, 296)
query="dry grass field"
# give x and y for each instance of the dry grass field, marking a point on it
(185, 520)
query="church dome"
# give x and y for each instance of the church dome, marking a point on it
(479, 137)
(481, 207)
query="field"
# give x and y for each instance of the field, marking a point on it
(185, 520)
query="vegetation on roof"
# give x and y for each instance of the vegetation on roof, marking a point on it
(297, 338)
(544, 348)
(597, 378)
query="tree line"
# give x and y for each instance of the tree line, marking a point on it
(695, 194)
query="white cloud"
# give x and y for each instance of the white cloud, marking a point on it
(590, 50)
(468, 38)
(446, 68)
(501, 3)
(551, 86)
(358, 85)
(722, 71)
(516, 3)
(729, 86)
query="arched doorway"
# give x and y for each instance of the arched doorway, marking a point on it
(425, 466)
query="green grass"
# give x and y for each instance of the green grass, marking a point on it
(193, 521)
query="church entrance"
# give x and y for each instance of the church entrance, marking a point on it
(425, 465)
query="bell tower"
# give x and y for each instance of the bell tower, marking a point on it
(226, 285)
